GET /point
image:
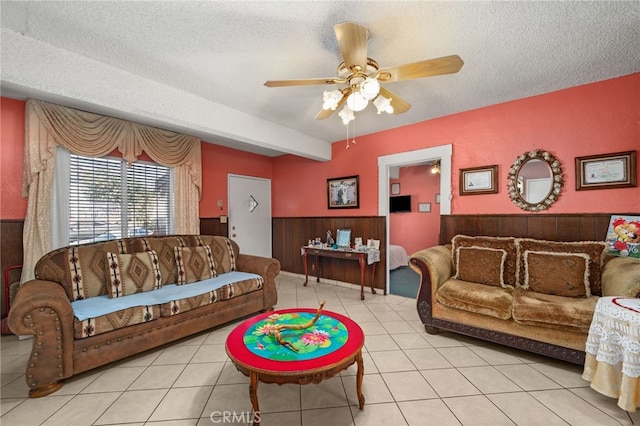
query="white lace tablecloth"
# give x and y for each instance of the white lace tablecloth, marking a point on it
(613, 350)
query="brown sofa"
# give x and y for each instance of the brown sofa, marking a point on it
(529, 294)
(77, 308)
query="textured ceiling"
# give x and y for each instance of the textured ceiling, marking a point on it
(199, 67)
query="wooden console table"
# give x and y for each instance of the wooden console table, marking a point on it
(360, 256)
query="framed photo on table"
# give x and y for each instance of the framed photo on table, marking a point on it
(343, 193)
(479, 180)
(616, 170)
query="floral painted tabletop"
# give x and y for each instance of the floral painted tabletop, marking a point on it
(327, 335)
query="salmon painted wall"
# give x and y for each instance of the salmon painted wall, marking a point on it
(217, 162)
(12, 205)
(598, 118)
(422, 185)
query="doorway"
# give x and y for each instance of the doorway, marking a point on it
(388, 163)
(250, 214)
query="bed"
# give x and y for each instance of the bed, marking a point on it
(397, 257)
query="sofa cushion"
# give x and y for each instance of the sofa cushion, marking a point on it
(115, 320)
(132, 273)
(478, 298)
(225, 292)
(561, 274)
(550, 311)
(594, 249)
(501, 243)
(194, 264)
(481, 265)
(223, 252)
(80, 269)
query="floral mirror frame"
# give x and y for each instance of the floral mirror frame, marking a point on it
(514, 184)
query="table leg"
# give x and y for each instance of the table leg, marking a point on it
(362, 266)
(306, 271)
(373, 277)
(253, 395)
(359, 377)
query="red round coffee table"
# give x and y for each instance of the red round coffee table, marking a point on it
(274, 363)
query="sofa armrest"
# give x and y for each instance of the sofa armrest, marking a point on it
(435, 267)
(621, 277)
(42, 309)
(439, 263)
(266, 267)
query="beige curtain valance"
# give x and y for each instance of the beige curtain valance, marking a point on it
(48, 126)
(97, 135)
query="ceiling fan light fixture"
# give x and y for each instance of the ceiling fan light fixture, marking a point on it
(357, 102)
(331, 99)
(369, 88)
(383, 105)
(347, 115)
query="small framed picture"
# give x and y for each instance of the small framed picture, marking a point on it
(424, 207)
(479, 180)
(343, 193)
(395, 188)
(605, 171)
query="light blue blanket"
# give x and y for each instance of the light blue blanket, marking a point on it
(101, 305)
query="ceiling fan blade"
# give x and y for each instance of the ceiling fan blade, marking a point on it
(352, 39)
(399, 105)
(304, 82)
(430, 67)
(326, 113)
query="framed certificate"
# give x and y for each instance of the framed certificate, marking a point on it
(617, 170)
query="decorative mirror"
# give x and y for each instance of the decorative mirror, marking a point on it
(535, 180)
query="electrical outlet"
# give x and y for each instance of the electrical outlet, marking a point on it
(223, 219)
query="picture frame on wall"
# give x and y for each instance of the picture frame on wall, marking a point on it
(395, 188)
(606, 171)
(424, 207)
(479, 180)
(343, 193)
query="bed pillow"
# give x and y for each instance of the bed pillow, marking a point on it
(132, 273)
(558, 274)
(194, 264)
(481, 265)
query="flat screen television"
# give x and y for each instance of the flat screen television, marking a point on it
(400, 204)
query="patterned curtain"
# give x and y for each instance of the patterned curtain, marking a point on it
(49, 125)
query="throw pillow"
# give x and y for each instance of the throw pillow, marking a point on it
(594, 249)
(481, 265)
(133, 273)
(194, 264)
(559, 274)
(501, 243)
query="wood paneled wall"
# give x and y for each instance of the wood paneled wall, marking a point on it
(552, 227)
(213, 226)
(291, 233)
(10, 251)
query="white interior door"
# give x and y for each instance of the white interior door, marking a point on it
(250, 214)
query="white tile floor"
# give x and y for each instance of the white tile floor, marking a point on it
(411, 378)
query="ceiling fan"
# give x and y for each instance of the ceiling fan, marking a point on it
(361, 77)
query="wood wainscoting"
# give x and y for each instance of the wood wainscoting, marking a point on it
(542, 226)
(291, 233)
(10, 251)
(213, 226)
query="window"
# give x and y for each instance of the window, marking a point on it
(110, 200)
